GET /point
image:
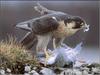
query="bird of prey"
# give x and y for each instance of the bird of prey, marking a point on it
(56, 25)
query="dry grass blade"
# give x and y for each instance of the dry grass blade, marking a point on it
(14, 56)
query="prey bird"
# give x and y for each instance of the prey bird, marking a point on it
(52, 24)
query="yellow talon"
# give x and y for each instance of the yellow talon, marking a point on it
(46, 57)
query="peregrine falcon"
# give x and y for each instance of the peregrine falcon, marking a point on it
(57, 25)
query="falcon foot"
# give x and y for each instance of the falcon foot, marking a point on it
(47, 56)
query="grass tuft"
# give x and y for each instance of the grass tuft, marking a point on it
(14, 56)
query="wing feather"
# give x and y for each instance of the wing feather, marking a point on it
(47, 23)
(44, 25)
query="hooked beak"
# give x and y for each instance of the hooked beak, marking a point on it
(86, 27)
(24, 26)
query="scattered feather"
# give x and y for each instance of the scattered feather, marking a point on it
(63, 55)
(87, 28)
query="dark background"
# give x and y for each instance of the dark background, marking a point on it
(13, 12)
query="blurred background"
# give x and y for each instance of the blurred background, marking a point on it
(13, 12)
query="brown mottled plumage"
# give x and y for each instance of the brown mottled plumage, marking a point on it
(56, 25)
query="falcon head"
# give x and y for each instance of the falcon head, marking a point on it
(75, 22)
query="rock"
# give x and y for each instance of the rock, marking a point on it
(8, 70)
(26, 74)
(27, 68)
(85, 72)
(2, 71)
(68, 72)
(47, 71)
(77, 71)
(33, 72)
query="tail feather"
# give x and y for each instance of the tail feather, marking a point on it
(29, 40)
(42, 10)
